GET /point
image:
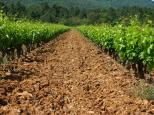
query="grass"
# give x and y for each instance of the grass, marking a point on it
(143, 90)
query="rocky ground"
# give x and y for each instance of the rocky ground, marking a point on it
(68, 76)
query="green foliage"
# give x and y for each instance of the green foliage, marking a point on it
(66, 12)
(15, 34)
(133, 43)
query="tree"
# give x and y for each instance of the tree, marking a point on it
(34, 12)
(94, 17)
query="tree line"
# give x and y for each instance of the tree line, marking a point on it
(74, 15)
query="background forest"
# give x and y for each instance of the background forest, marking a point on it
(70, 12)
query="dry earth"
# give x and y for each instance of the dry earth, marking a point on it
(68, 76)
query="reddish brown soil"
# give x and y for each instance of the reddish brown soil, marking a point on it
(68, 76)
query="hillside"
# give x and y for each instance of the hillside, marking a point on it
(91, 3)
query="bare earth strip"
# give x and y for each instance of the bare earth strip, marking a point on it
(69, 76)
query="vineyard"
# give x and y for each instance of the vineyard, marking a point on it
(132, 45)
(56, 70)
(13, 35)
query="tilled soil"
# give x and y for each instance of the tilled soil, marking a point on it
(68, 76)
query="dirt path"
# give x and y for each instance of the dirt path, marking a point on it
(69, 76)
